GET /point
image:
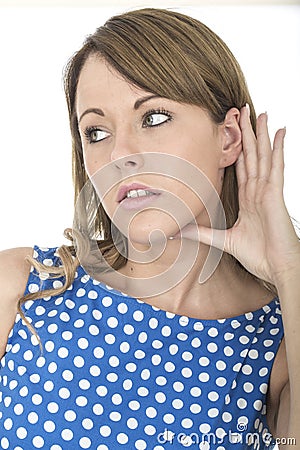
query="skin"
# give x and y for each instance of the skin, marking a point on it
(263, 238)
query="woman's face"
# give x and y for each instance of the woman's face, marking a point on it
(139, 141)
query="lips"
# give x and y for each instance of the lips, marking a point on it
(122, 193)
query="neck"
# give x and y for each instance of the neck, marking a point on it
(168, 281)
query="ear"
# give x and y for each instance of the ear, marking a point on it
(231, 138)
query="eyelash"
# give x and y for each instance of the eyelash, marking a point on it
(89, 130)
(157, 111)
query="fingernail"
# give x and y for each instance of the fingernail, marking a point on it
(284, 131)
(248, 109)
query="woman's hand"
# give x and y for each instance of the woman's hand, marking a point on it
(263, 238)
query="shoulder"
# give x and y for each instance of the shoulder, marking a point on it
(14, 272)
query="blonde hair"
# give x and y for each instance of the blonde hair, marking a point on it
(171, 55)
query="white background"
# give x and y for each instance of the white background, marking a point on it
(36, 198)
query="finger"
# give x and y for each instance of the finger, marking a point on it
(249, 143)
(241, 174)
(206, 235)
(277, 164)
(264, 149)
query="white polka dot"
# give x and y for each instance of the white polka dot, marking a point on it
(48, 386)
(182, 336)
(124, 347)
(248, 387)
(21, 433)
(95, 371)
(196, 343)
(213, 412)
(131, 367)
(173, 349)
(204, 376)
(114, 361)
(49, 426)
(134, 405)
(247, 369)
(263, 371)
(139, 354)
(116, 399)
(8, 423)
(160, 397)
(98, 352)
(87, 424)
(186, 372)
(132, 423)
(157, 343)
(187, 423)
(228, 336)
(241, 403)
(227, 417)
(142, 391)
(151, 412)
(168, 418)
(64, 393)
(204, 428)
(177, 403)
(204, 361)
(67, 335)
(98, 409)
(112, 322)
(52, 407)
(78, 361)
(253, 354)
(105, 431)
(122, 438)
(161, 381)
(212, 347)
(4, 443)
(38, 442)
(244, 339)
(138, 316)
(257, 405)
(115, 416)
(228, 351)
(169, 367)
(220, 365)
(37, 399)
(127, 385)
(143, 337)
(32, 418)
(195, 408)
(70, 415)
(263, 388)
(83, 343)
(63, 352)
(269, 356)
(85, 442)
(122, 308)
(140, 444)
(213, 396)
(128, 329)
(195, 391)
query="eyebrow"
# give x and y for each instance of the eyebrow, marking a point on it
(136, 106)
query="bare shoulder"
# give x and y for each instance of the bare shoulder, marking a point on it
(14, 272)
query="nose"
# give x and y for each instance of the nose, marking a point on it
(127, 154)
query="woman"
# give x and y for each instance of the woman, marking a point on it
(162, 128)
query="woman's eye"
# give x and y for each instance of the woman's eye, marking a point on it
(156, 118)
(94, 135)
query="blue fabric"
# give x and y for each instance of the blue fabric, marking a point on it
(118, 373)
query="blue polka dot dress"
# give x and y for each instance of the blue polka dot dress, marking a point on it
(118, 373)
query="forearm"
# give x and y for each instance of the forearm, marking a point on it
(288, 287)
